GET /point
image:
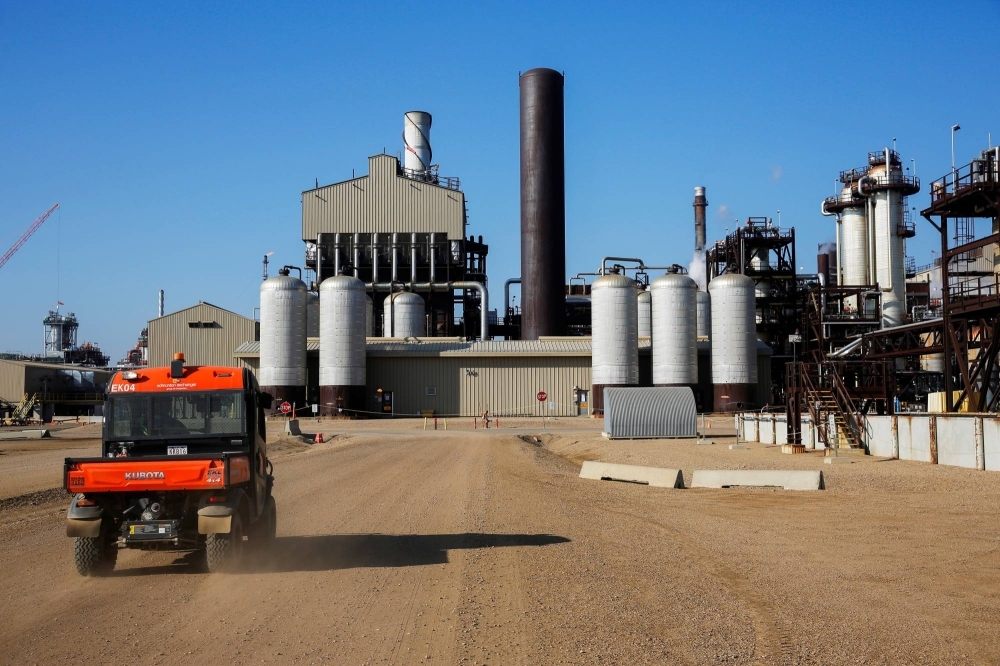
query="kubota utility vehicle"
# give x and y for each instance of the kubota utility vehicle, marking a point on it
(184, 467)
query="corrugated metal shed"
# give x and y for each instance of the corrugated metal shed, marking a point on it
(383, 202)
(649, 413)
(205, 333)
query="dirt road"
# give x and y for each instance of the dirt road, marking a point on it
(483, 548)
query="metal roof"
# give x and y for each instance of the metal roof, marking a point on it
(645, 413)
(387, 347)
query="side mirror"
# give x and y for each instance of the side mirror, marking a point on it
(266, 400)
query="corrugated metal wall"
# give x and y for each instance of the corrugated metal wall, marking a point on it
(11, 381)
(411, 379)
(383, 202)
(507, 386)
(201, 346)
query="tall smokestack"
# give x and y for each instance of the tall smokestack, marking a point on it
(543, 205)
(700, 204)
(161, 303)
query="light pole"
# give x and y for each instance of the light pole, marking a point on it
(913, 161)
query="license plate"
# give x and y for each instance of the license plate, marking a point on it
(177, 450)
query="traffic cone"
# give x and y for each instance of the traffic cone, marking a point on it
(319, 438)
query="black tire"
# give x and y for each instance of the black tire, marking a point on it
(270, 520)
(95, 556)
(224, 552)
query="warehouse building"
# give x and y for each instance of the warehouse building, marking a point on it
(50, 389)
(205, 333)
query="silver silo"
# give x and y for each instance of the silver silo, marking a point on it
(675, 330)
(403, 316)
(734, 342)
(645, 314)
(341, 344)
(283, 300)
(615, 335)
(704, 302)
(312, 315)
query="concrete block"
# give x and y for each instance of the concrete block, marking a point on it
(837, 460)
(739, 447)
(653, 476)
(292, 427)
(787, 479)
(793, 448)
(24, 434)
(705, 442)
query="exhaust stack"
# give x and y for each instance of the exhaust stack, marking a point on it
(417, 141)
(700, 204)
(543, 205)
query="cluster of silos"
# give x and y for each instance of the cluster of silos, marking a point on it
(871, 234)
(283, 328)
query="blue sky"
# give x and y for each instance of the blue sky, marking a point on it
(178, 138)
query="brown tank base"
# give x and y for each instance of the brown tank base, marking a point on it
(733, 397)
(293, 395)
(597, 397)
(340, 400)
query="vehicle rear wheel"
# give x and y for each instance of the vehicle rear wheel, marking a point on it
(271, 520)
(96, 556)
(224, 552)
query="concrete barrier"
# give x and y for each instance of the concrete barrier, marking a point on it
(787, 479)
(292, 427)
(653, 476)
(24, 434)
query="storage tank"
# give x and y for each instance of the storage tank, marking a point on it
(645, 314)
(675, 330)
(341, 344)
(734, 342)
(890, 247)
(704, 302)
(854, 241)
(614, 337)
(312, 315)
(403, 316)
(417, 154)
(283, 305)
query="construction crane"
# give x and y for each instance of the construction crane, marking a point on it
(26, 235)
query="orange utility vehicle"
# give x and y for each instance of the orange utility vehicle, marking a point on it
(183, 467)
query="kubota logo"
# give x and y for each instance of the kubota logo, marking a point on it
(134, 476)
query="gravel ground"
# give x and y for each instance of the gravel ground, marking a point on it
(486, 548)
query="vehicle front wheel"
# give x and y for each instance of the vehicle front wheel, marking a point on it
(224, 552)
(95, 556)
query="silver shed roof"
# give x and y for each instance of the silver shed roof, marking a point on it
(648, 413)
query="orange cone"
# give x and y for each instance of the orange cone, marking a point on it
(319, 438)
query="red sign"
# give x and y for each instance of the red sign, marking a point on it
(286, 408)
(542, 396)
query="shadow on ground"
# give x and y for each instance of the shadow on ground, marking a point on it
(348, 551)
(330, 552)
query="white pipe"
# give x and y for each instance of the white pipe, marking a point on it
(840, 270)
(413, 258)
(433, 258)
(336, 254)
(357, 253)
(395, 257)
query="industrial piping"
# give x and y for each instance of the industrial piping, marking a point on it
(484, 295)
(543, 204)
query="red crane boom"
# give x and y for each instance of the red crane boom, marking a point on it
(26, 235)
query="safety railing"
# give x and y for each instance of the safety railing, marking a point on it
(977, 173)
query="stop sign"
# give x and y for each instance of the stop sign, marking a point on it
(286, 408)
(542, 396)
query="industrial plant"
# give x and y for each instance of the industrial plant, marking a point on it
(389, 313)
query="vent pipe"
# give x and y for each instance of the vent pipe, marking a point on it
(160, 304)
(417, 141)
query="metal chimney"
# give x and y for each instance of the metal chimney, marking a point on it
(417, 141)
(700, 204)
(161, 303)
(543, 205)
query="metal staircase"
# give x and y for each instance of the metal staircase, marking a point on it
(820, 387)
(23, 410)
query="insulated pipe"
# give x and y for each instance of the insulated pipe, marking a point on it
(395, 257)
(870, 222)
(432, 257)
(604, 262)
(413, 258)
(840, 270)
(336, 254)
(321, 240)
(484, 296)
(357, 253)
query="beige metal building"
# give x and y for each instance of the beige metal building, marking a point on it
(453, 377)
(205, 333)
(54, 389)
(384, 201)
